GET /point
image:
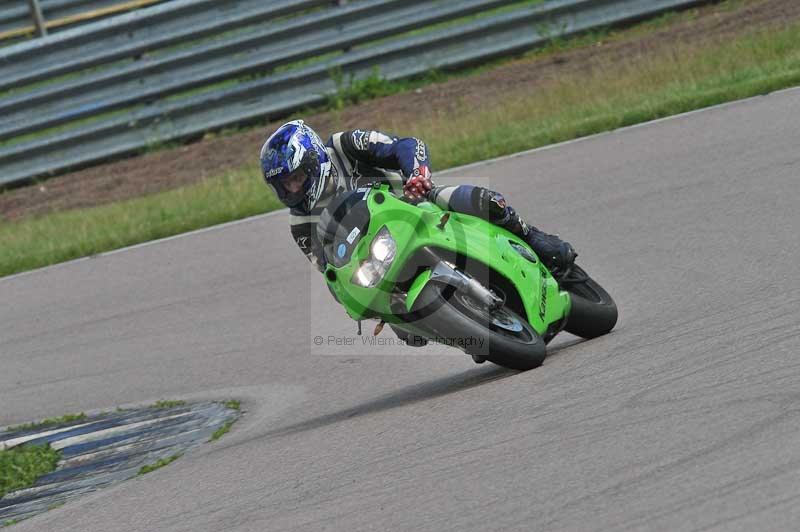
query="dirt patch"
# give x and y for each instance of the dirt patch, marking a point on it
(168, 169)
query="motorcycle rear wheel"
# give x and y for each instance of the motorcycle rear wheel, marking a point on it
(593, 311)
(507, 339)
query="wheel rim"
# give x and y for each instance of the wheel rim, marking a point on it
(498, 318)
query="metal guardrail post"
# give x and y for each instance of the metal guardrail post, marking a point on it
(38, 19)
(340, 3)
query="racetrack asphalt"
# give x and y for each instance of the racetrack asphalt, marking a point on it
(685, 417)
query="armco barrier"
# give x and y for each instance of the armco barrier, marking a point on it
(256, 51)
(16, 20)
(178, 69)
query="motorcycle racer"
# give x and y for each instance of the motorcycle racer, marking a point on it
(306, 174)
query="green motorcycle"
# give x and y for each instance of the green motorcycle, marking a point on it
(442, 276)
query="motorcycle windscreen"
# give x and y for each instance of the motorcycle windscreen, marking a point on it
(342, 225)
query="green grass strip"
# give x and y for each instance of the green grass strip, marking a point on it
(615, 93)
(222, 431)
(68, 235)
(233, 404)
(149, 468)
(20, 467)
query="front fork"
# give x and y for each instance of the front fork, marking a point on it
(443, 273)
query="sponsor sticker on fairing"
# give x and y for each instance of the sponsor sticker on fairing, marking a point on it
(353, 235)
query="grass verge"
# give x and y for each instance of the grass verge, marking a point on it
(20, 467)
(612, 95)
(149, 468)
(68, 235)
(233, 404)
(222, 431)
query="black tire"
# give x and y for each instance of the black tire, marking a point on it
(445, 315)
(593, 311)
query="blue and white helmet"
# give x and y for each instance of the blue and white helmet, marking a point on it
(295, 148)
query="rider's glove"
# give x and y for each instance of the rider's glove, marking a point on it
(419, 184)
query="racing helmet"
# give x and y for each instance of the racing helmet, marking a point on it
(294, 154)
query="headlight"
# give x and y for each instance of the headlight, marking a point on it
(367, 275)
(384, 246)
(382, 253)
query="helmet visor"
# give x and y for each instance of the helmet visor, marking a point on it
(291, 187)
(294, 182)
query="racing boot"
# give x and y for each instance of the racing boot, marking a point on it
(557, 255)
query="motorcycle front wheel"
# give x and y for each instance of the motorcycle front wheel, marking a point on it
(499, 335)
